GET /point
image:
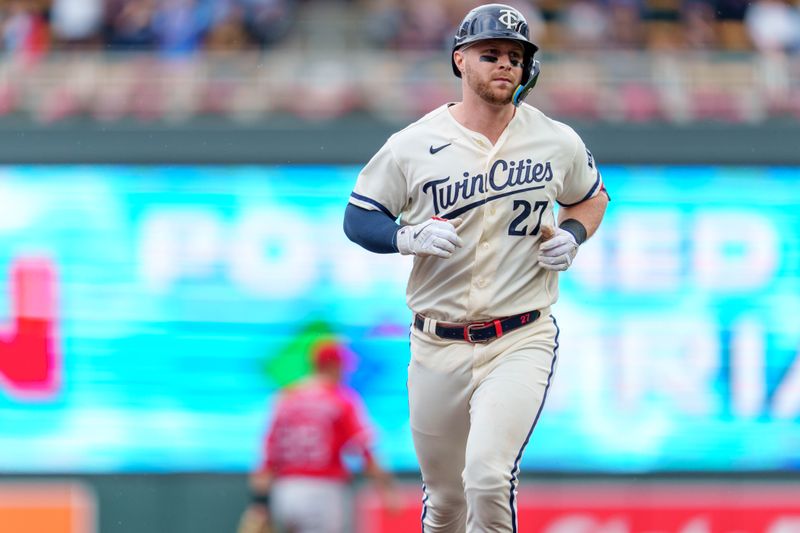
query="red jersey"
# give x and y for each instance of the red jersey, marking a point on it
(313, 424)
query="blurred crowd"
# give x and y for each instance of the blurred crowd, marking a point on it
(607, 59)
(606, 24)
(179, 27)
(170, 27)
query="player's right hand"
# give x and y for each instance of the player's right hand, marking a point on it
(436, 237)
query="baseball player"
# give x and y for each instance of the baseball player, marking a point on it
(474, 185)
(302, 485)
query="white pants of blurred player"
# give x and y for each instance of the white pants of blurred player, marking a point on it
(309, 505)
(472, 410)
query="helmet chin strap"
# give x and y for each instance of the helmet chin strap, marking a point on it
(522, 90)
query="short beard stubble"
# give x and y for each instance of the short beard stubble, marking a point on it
(484, 90)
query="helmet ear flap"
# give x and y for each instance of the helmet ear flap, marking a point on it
(524, 89)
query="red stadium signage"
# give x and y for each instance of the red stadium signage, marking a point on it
(29, 364)
(635, 507)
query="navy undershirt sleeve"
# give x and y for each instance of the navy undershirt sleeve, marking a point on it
(373, 230)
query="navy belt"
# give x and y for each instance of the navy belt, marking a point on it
(479, 331)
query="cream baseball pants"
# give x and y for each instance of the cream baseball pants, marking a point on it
(473, 408)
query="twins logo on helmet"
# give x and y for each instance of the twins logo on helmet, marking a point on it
(509, 18)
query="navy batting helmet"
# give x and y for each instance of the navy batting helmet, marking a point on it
(499, 21)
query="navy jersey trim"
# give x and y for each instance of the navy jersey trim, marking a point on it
(604, 191)
(473, 205)
(373, 202)
(588, 195)
(515, 468)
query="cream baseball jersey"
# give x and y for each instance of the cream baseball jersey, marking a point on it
(504, 193)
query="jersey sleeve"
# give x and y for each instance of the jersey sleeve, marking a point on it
(583, 180)
(381, 184)
(355, 428)
(270, 445)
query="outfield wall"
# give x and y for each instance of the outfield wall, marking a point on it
(202, 503)
(354, 139)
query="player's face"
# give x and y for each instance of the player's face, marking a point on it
(493, 69)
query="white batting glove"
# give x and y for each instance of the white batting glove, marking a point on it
(436, 237)
(558, 252)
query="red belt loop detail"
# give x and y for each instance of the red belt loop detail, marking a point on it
(497, 328)
(466, 334)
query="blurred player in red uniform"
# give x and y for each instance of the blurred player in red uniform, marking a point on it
(302, 484)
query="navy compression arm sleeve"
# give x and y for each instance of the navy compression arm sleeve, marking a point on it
(374, 230)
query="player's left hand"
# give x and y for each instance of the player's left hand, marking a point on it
(558, 252)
